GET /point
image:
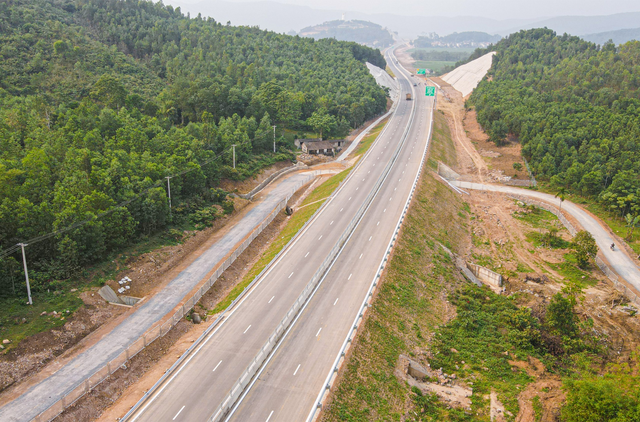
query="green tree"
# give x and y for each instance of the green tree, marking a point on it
(110, 91)
(321, 122)
(585, 247)
(632, 223)
(561, 196)
(560, 316)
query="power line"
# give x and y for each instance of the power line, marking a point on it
(9, 251)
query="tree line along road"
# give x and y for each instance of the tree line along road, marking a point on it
(196, 389)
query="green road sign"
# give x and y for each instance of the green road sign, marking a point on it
(431, 91)
(422, 71)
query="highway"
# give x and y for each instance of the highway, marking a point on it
(196, 389)
(289, 384)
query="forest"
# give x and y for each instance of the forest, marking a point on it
(364, 32)
(574, 106)
(101, 100)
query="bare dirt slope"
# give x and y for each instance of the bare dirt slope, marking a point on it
(112, 398)
(41, 355)
(478, 159)
(502, 233)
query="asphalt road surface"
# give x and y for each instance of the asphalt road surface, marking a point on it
(289, 384)
(42, 395)
(619, 261)
(199, 385)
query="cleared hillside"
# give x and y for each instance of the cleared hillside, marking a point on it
(575, 107)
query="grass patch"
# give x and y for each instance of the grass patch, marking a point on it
(523, 268)
(368, 140)
(295, 223)
(442, 147)
(436, 66)
(20, 320)
(572, 273)
(406, 309)
(455, 50)
(536, 217)
(390, 72)
(484, 260)
(547, 240)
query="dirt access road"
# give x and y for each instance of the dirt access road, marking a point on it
(477, 173)
(151, 311)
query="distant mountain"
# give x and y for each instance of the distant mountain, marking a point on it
(620, 36)
(457, 39)
(280, 17)
(582, 25)
(362, 32)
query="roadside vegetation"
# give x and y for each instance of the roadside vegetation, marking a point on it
(368, 140)
(408, 305)
(101, 100)
(574, 107)
(300, 216)
(552, 346)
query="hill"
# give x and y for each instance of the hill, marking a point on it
(362, 32)
(284, 17)
(457, 40)
(620, 36)
(101, 99)
(576, 109)
(582, 25)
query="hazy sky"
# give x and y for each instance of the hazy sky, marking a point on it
(499, 9)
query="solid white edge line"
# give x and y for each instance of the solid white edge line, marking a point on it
(298, 236)
(398, 225)
(309, 299)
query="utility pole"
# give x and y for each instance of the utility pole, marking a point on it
(26, 273)
(234, 156)
(169, 190)
(274, 138)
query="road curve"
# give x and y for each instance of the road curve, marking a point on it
(289, 383)
(198, 386)
(618, 260)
